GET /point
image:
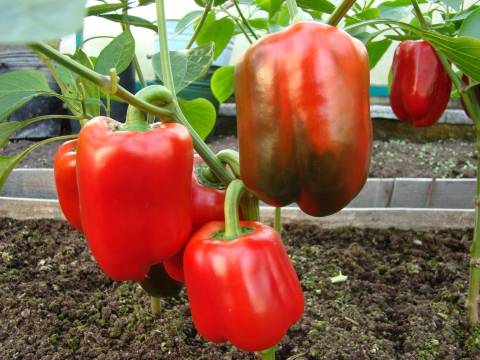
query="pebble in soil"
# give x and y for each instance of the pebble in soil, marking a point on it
(403, 299)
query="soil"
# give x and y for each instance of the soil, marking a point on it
(403, 299)
(450, 158)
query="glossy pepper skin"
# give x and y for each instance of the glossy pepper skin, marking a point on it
(135, 194)
(303, 117)
(207, 205)
(64, 168)
(244, 291)
(420, 85)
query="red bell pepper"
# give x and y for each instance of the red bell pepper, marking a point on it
(135, 194)
(303, 117)
(207, 205)
(243, 290)
(420, 85)
(66, 182)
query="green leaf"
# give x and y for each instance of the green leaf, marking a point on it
(463, 51)
(259, 23)
(187, 65)
(130, 20)
(471, 25)
(24, 21)
(222, 83)
(8, 128)
(67, 81)
(324, 6)
(218, 31)
(270, 6)
(370, 13)
(118, 53)
(187, 20)
(104, 8)
(92, 92)
(463, 14)
(19, 87)
(454, 4)
(204, 3)
(200, 113)
(376, 49)
(394, 13)
(281, 17)
(8, 163)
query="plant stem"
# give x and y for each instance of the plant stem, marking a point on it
(231, 158)
(203, 150)
(277, 223)
(268, 354)
(340, 12)
(292, 10)
(245, 21)
(235, 191)
(155, 305)
(473, 109)
(418, 13)
(104, 82)
(239, 24)
(200, 24)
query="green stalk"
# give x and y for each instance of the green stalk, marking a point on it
(104, 83)
(244, 19)
(235, 191)
(277, 223)
(200, 24)
(155, 305)
(203, 150)
(292, 10)
(340, 12)
(473, 109)
(268, 354)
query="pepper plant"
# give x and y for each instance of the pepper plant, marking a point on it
(304, 128)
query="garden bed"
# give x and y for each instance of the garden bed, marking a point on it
(403, 299)
(453, 158)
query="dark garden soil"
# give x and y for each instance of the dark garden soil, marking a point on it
(453, 158)
(403, 299)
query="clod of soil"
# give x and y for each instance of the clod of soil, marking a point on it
(452, 158)
(403, 299)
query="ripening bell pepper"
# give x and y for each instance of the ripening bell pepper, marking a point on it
(66, 182)
(420, 85)
(159, 284)
(135, 194)
(207, 205)
(245, 290)
(303, 117)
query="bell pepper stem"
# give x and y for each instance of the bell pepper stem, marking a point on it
(155, 305)
(250, 209)
(268, 354)
(154, 94)
(340, 12)
(235, 191)
(277, 223)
